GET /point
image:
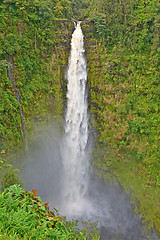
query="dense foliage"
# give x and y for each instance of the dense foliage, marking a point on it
(24, 216)
(28, 39)
(129, 113)
(127, 92)
(8, 175)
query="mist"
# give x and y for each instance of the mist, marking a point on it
(42, 169)
(41, 166)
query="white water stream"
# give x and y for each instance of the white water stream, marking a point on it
(75, 147)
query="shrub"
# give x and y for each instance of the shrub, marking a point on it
(23, 215)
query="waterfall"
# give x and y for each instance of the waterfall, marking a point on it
(75, 145)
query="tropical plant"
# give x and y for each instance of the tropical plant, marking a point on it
(24, 216)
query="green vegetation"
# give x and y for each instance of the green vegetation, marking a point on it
(125, 92)
(24, 216)
(8, 175)
(30, 46)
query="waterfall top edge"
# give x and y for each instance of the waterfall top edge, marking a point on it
(78, 24)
